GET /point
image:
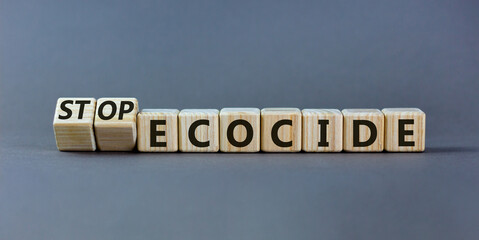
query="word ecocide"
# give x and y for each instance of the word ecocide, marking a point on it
(115, 124)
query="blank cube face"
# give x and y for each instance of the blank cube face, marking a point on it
(322, 130)
(405, 129)
(363, 130)
(240, 130)
(199, 130)
(281, 130)
(158, 130)
(73, 124)
(115, 124)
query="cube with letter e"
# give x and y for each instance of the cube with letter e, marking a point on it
(405, 130)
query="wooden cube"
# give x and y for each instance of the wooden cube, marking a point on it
(115, 124)
(73, 124)
(405, 130)
(240, 129)
(322, 130)
(199, 130)
(157, 130)
(363, 130)
(280, 130)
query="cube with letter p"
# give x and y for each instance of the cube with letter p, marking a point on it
(115, 124)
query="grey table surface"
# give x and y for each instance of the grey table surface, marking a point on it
(214, 54)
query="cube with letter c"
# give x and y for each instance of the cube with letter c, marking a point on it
(280, 130)
(199, 130)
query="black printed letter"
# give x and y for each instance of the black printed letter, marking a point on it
(113, 110)
(154, 133)
(403, 132)
(372, 128)
(274, 133)
(123, 110)
(191, 133)
(323, 142)
(65, 109)
(249, 133)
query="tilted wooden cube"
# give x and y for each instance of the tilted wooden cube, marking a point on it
(199, 130)
(322, 130)
(363, 130)
(157, 130)
(405, 130)
(73, 124)
(240, 129)
(115, 124)
(280, 130)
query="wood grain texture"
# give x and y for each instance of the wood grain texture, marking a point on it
(202, 133)
(169, 130)
(312, 130)
(373, 115)
(285, 133)
(418, 128)
(252, 116)
(116, 134)
(75, 133)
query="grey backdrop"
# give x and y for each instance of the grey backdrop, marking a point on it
(214, 54)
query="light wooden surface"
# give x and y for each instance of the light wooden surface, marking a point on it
(167, 133)
(373, 115)
(250, 115)
(202, 133)
(312, 130)
(116, 134)
(75, 134)
(285, 133)
(418, 128)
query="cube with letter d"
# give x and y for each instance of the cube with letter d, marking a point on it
(363, 130)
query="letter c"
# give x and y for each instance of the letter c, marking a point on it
(191, 133)
(274, 133)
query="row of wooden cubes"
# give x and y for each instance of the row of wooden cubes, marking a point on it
(114, 124)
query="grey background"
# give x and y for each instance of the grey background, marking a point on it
(214, 54)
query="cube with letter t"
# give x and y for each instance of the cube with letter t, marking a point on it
(363, 130)
(73, 124)
(115, 124)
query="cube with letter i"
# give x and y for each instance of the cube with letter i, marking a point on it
(322, 130)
